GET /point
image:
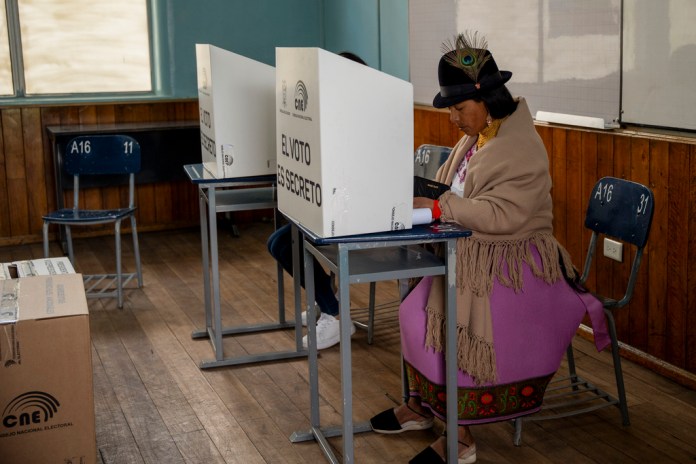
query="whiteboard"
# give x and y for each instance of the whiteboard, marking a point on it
(659, 63)
(564, 55)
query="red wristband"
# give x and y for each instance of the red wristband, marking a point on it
(436, 210)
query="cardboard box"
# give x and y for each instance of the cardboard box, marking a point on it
(236, 99)
(46, 395)
(344, 135)
(35, 267)
(43, 266)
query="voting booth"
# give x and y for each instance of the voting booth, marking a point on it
(236, 98)
(344, 136)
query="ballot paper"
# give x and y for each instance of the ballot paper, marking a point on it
(422, 216)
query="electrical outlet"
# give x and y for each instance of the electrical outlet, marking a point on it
(613, 249)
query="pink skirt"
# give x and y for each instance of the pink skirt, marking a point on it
(532, 329)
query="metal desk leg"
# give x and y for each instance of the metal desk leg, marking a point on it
(280, 274)
(214, 263)
(451, 349)
(347, 429)
(346, 358)
(214, 330)
(205, 258)
(298, 248)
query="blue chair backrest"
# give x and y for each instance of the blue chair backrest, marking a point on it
(102, 154)
(428, 159)
(621, 209)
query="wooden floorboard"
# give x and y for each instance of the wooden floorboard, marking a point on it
(155, 405)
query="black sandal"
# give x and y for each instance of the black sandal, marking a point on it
(430, 456)
(386, 422)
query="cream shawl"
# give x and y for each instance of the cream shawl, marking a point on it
(507, 205)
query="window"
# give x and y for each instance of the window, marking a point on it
(77, 46)
(5, 66)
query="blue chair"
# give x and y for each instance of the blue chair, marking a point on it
(117, 156)
(428, 159)
(622, 211)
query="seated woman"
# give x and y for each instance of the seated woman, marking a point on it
(517, 306)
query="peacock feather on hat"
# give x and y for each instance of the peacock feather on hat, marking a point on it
(468, 52)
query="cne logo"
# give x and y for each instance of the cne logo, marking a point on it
(301, 96)
(29, 408)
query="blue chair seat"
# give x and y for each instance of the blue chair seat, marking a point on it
(91, 216)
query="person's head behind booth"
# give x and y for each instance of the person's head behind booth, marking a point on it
(353, 57)
(471, 85)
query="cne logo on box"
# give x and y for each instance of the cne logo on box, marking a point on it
(30, 408)
(301, 96)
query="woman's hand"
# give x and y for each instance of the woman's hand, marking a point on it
(423, 202)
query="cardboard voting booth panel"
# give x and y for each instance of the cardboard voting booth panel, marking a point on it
(236, 98)
(344, 135)
(46, 394)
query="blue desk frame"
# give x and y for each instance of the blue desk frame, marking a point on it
(215, 197)
(370, 258)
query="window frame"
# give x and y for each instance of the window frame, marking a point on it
(17, 66)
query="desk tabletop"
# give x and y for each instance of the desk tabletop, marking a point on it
(198, 174)
(422, 232)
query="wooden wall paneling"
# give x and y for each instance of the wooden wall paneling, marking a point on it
(588, 178)
(186, 111)
(105, 114)
(15, 171)
(574, 197)
(691, 266)
(546, 135)
(5, 230)
(87, 114)
(638, 320)
(620, 271)
(605, 167)
(185, 194)
(560, 205)
(50, 116)
(145, 193)
(677, 253)
(658, 248)
(162, 191)
(184, 202)
(419, 121)
(34, 162)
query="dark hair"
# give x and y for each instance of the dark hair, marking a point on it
(498, 101)
(353, 57)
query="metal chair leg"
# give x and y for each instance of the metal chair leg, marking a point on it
(119, 281)
(68, 238)
(136, 252)
(618, 372)
(371, 314)
(45, 239)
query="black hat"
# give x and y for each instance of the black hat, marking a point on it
(457, 80)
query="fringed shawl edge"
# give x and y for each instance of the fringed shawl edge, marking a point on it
(479, 262)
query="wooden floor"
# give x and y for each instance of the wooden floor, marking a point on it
(154, 404)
